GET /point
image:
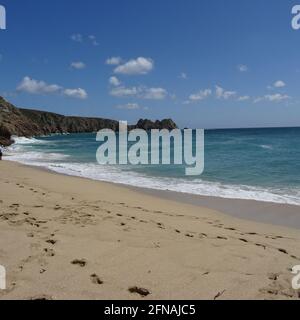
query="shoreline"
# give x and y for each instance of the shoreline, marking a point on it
(206, 189)
(65, 237)
(285, 215)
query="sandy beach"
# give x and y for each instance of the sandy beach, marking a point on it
(70, 238)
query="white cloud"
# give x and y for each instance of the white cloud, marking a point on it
(136, 66)
(129, 106)
(154, 93)
(242, 68)
(37, 87)
(114, 81)
(279, 84)
(183, 76)
(33, 86)
(114, 61)
(243, 98)
(93, 39)
(76, 93)
(277, 97)
(220, 93)
(77, 37)
(201, 95)
(223, 94)
(124, 92)
(139, 92)
(78, 65)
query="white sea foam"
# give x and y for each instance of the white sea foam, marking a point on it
(32, 157)
(267, 147)
(200, 187)
(21, 151)
(197, 187)
(116, 174)
(23, 140)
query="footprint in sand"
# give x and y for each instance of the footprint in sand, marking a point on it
(283, 251)
(203, 235)
(219, 294)
(189, 235)
(49, 252)
(95, 279)
(271, 291)
(141, 291)
(261, 245)
(160, 225)
(273, 276)
(79, 262)
(51, 241)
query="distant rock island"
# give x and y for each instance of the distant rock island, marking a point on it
(32, 123)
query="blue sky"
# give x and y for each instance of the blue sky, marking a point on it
(206, 64)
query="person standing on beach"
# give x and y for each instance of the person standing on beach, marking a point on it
(1, 153)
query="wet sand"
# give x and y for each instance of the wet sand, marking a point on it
(266, 212)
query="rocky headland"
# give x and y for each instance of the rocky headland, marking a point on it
(31, 123)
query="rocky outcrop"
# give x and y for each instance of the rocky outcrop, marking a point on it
(13, 122)
(149, 125)
(29, 123)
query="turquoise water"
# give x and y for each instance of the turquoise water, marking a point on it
(261, 164)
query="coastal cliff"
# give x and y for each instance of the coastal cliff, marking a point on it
(29, 123)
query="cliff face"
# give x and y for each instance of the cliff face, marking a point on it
(28, 123)
(13, 122)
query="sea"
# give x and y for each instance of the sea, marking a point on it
(260, 164)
